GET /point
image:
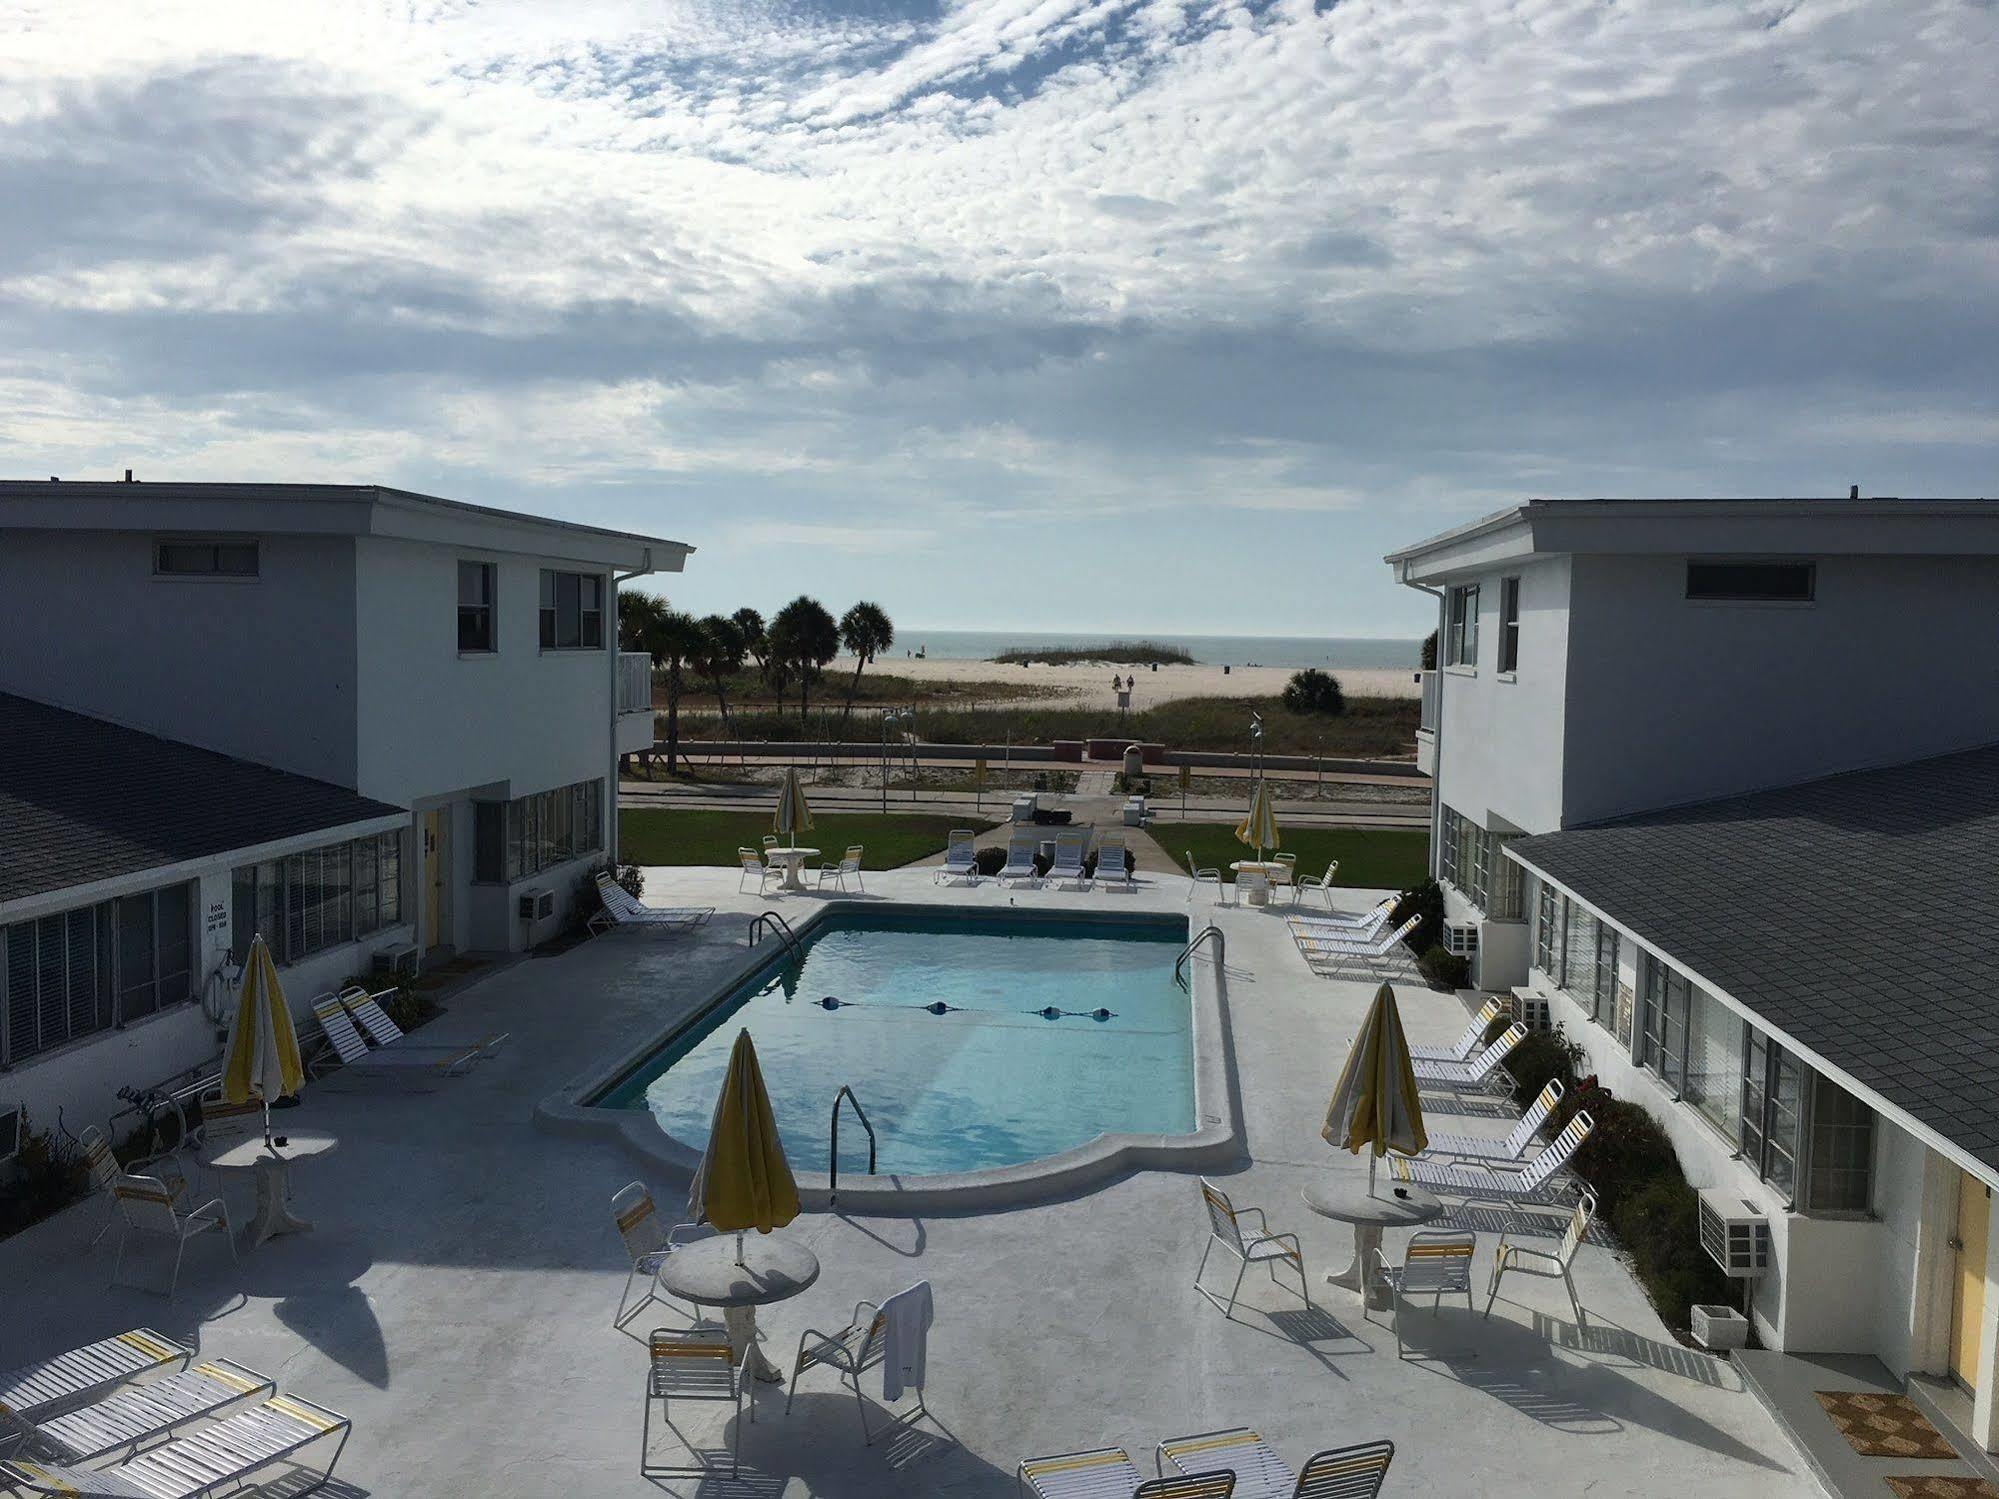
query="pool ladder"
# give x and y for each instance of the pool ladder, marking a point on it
(772, 922)
(1221, 951)
(845, 1095)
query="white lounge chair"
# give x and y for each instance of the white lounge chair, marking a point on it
(649, 1242)
(380, 1030)
(1549, 1265)
(1067, 868)
(1196, 874)
(961, 858)
(1337, 1473)
(1258, 1246)
(344, 1043)
(850, 864)
(218, 1458)
(755, 868)
(1322, 884)
(140, 1416)
(1491, 1182)
(1343, 925)
(695, 1364)
(1111, 866)
(149, 1210)
(1514, 1146)
(1330, 957)
(1107, 1473)
(1468, 1040)
(1021, 851)
(619, 907)
(1480, 1074)
(1435, 1263)
(859, 1346)
(31, 1394)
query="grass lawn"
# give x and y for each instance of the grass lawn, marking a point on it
(650, 835)
(1377, 858)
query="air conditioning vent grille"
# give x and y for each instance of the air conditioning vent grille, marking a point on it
(1734, 1233)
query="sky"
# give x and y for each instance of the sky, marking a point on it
(1103, 315)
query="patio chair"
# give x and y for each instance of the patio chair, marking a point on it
(1318, 936)
(619, 907)
(1548, 1264)
(961, 858)
(1435, 1263)
(103, 1169)
(1343, 926)
(1467, 1042)
(31, 1394)
(1514, 1146)
(1259, 1246)
(1322, 883)
(1480, 1074)
(344, 1044)
(1285, 875)
(140, 1416)
(1492, 1182)
(1336, 1473)
(1196, 875)
(1067, 867)
(380, 1030)
(1111, 862)
(692, 1365)
(1107, 1473)
(770, 840)
(1021, 849)
(850, 864)
(648, 1243)
(755, 868)
(859, 1346)
(1329, 957)
(149, 1210)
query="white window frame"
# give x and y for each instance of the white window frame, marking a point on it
(1461, 626)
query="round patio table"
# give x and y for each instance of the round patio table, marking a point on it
(1269, 868)
(1346, 1197)
(773, 1269)
(272, 1164)
(793, 860)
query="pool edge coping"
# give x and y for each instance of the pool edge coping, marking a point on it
(1214, 1144)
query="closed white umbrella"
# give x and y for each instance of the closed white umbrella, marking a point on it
(262, 1058)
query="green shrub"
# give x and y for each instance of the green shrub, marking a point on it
(1625, 1150)
(1540, 1056)
(1659, 1223)
(1444, 970)
(1427, 901)
(1314, 691)
(48, 1175)
(989, 861)
(410, 1008)
(1090, 863)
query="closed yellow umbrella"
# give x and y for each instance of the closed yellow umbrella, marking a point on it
(743, 1181)
(793, 815)
(1259, 828)
(1376, 1105)
(262, 1059)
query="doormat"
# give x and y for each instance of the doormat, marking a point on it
(1942, 1488)
(1877, 1425)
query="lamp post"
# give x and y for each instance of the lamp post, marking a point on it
(889, 716)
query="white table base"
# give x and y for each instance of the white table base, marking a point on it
(274, 1215)
(1366, 1241)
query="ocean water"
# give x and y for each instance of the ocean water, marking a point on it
(988, 1082)
(1289, 651)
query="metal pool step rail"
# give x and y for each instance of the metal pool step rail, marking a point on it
(1221, 951)
(845, 1095)
(772, 922)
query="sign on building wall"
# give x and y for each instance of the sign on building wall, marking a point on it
(215, 924)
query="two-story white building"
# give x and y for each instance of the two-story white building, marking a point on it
(376, 720)
(1719, 781)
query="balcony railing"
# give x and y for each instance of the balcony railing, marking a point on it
(1428, 722)
(634, 682)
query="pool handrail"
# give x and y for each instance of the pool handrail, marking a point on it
(1221, 950)
(845, 1095)
(772, 921)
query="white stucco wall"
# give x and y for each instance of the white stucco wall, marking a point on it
(261, 668)
(1679, 701)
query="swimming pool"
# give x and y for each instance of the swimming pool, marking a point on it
(990, 1081)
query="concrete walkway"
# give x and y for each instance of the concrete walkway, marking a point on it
(456, 1296)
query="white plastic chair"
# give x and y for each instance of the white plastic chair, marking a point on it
(103, 1169)
(961, 858)
(1021, 849)
(1110, 861)
(850, 864)
(1196, 875)
(1322, 884)
(856, 1348)
(694, 1364)
(1514, 1146)
(1285, 874)
(755, 868)
(1549, 1265)
(1067, 867)
(1259, 1246)
(1435, 1263)
(648, 1242)
(1337, 1473)
(148, 1209)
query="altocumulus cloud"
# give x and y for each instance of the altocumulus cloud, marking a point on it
(835, 270)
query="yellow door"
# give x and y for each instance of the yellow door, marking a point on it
(433, 878)
(1974, 1216)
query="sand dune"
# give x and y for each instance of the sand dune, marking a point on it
(1091, 684)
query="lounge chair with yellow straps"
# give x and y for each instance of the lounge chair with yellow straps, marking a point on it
(344, 1044)
(1337, 1473)
(38, 1392)
(1107, 1473)
(137, 1417)
(380, 1030)
(1495, 1181)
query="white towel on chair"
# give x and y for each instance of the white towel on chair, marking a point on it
(905, 1339)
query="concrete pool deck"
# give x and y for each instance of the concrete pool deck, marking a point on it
(455, 1299)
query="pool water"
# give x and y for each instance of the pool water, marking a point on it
(990, 1082)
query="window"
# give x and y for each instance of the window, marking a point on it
(1506, 881)
(1662, 1022)
(1714, 1059)
(1461, 627)
(1753, 582)
(1588, 961)
(475, 606)
(318, 899)
(205, 559)
(531, 833)
(1840, 1176)
(1772, 1092)
(572, 611)
(1509, 624)
(66, 976)
(1548, 933)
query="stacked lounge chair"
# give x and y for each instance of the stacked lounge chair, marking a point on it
(621, 908)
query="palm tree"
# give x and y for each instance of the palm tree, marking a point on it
(804, 637)
(638, 613)
(676, 639)
(866, 631)
(720, 657)
(750, 627)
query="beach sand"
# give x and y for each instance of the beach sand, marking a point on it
(1090, 685)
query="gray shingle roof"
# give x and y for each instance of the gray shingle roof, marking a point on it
(84, 800)
(1855, 913)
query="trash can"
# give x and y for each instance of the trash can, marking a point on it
(1134, 761)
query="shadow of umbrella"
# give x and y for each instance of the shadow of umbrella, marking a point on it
(313, 1279)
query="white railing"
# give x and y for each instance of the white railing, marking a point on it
(1428, 722)
(634, 682)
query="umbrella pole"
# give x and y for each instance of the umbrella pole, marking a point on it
(1370, 1171)
(739, 1250)
(267, 1123)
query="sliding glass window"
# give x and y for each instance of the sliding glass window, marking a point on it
(67, 976)
(311, 901)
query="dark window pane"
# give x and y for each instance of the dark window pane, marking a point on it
(83, 974)
(391, 875)
(49, 952)
(230, 559)
(568, 610)
(367, 897)
(295, 898)
(176, 938)
(138, 987)
(242, 911)
(23, 1025)
(1780, 582)
(489, 841)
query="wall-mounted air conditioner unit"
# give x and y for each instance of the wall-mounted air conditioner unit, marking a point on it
(1530, 1009)
(1735, 1233)
(536, 904)
(1460, 939)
